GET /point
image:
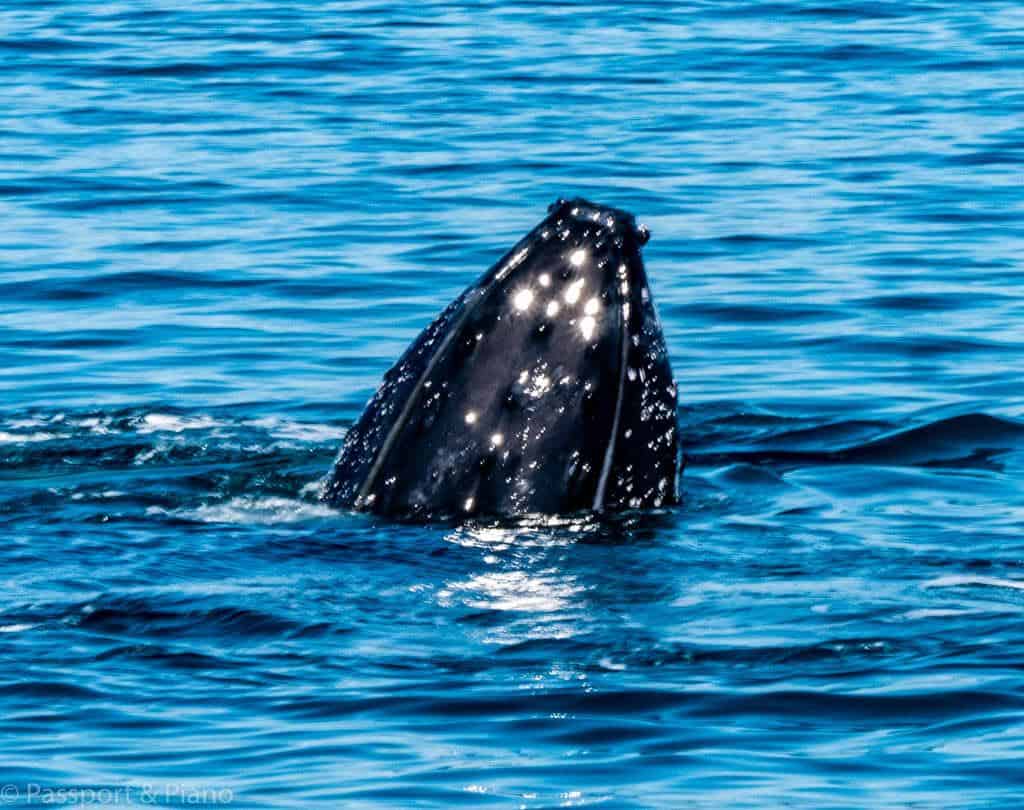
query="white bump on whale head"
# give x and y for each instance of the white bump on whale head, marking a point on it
(541, 384)
(523, 299)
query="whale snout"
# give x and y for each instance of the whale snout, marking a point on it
(620, 223)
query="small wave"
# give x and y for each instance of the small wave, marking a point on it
(106, 493)
(303, 431)
(21, 438)
(34, 421)
(39, 427)
(175, 615)
(958, 441)
(249, 510)
(99, 425)
(944, 613)
(153, 422)
(959, 581)
(953, 438)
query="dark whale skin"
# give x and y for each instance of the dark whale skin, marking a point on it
(544, 388)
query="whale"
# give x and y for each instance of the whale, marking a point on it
(545, 388)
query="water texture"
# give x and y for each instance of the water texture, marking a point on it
(222, 222)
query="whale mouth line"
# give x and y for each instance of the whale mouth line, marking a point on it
(392, 436)
(609, 456)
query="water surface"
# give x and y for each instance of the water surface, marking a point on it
(222, 222)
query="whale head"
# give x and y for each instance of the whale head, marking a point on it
(544, 388)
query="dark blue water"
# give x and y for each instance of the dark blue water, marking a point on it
(222, 222)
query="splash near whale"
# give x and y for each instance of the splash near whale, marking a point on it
(544, 388)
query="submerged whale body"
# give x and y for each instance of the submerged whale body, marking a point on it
(544, 388)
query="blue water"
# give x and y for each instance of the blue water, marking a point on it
(222, 222)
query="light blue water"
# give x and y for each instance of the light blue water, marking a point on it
(222, 222)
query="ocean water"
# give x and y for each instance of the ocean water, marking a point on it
(222, 222)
